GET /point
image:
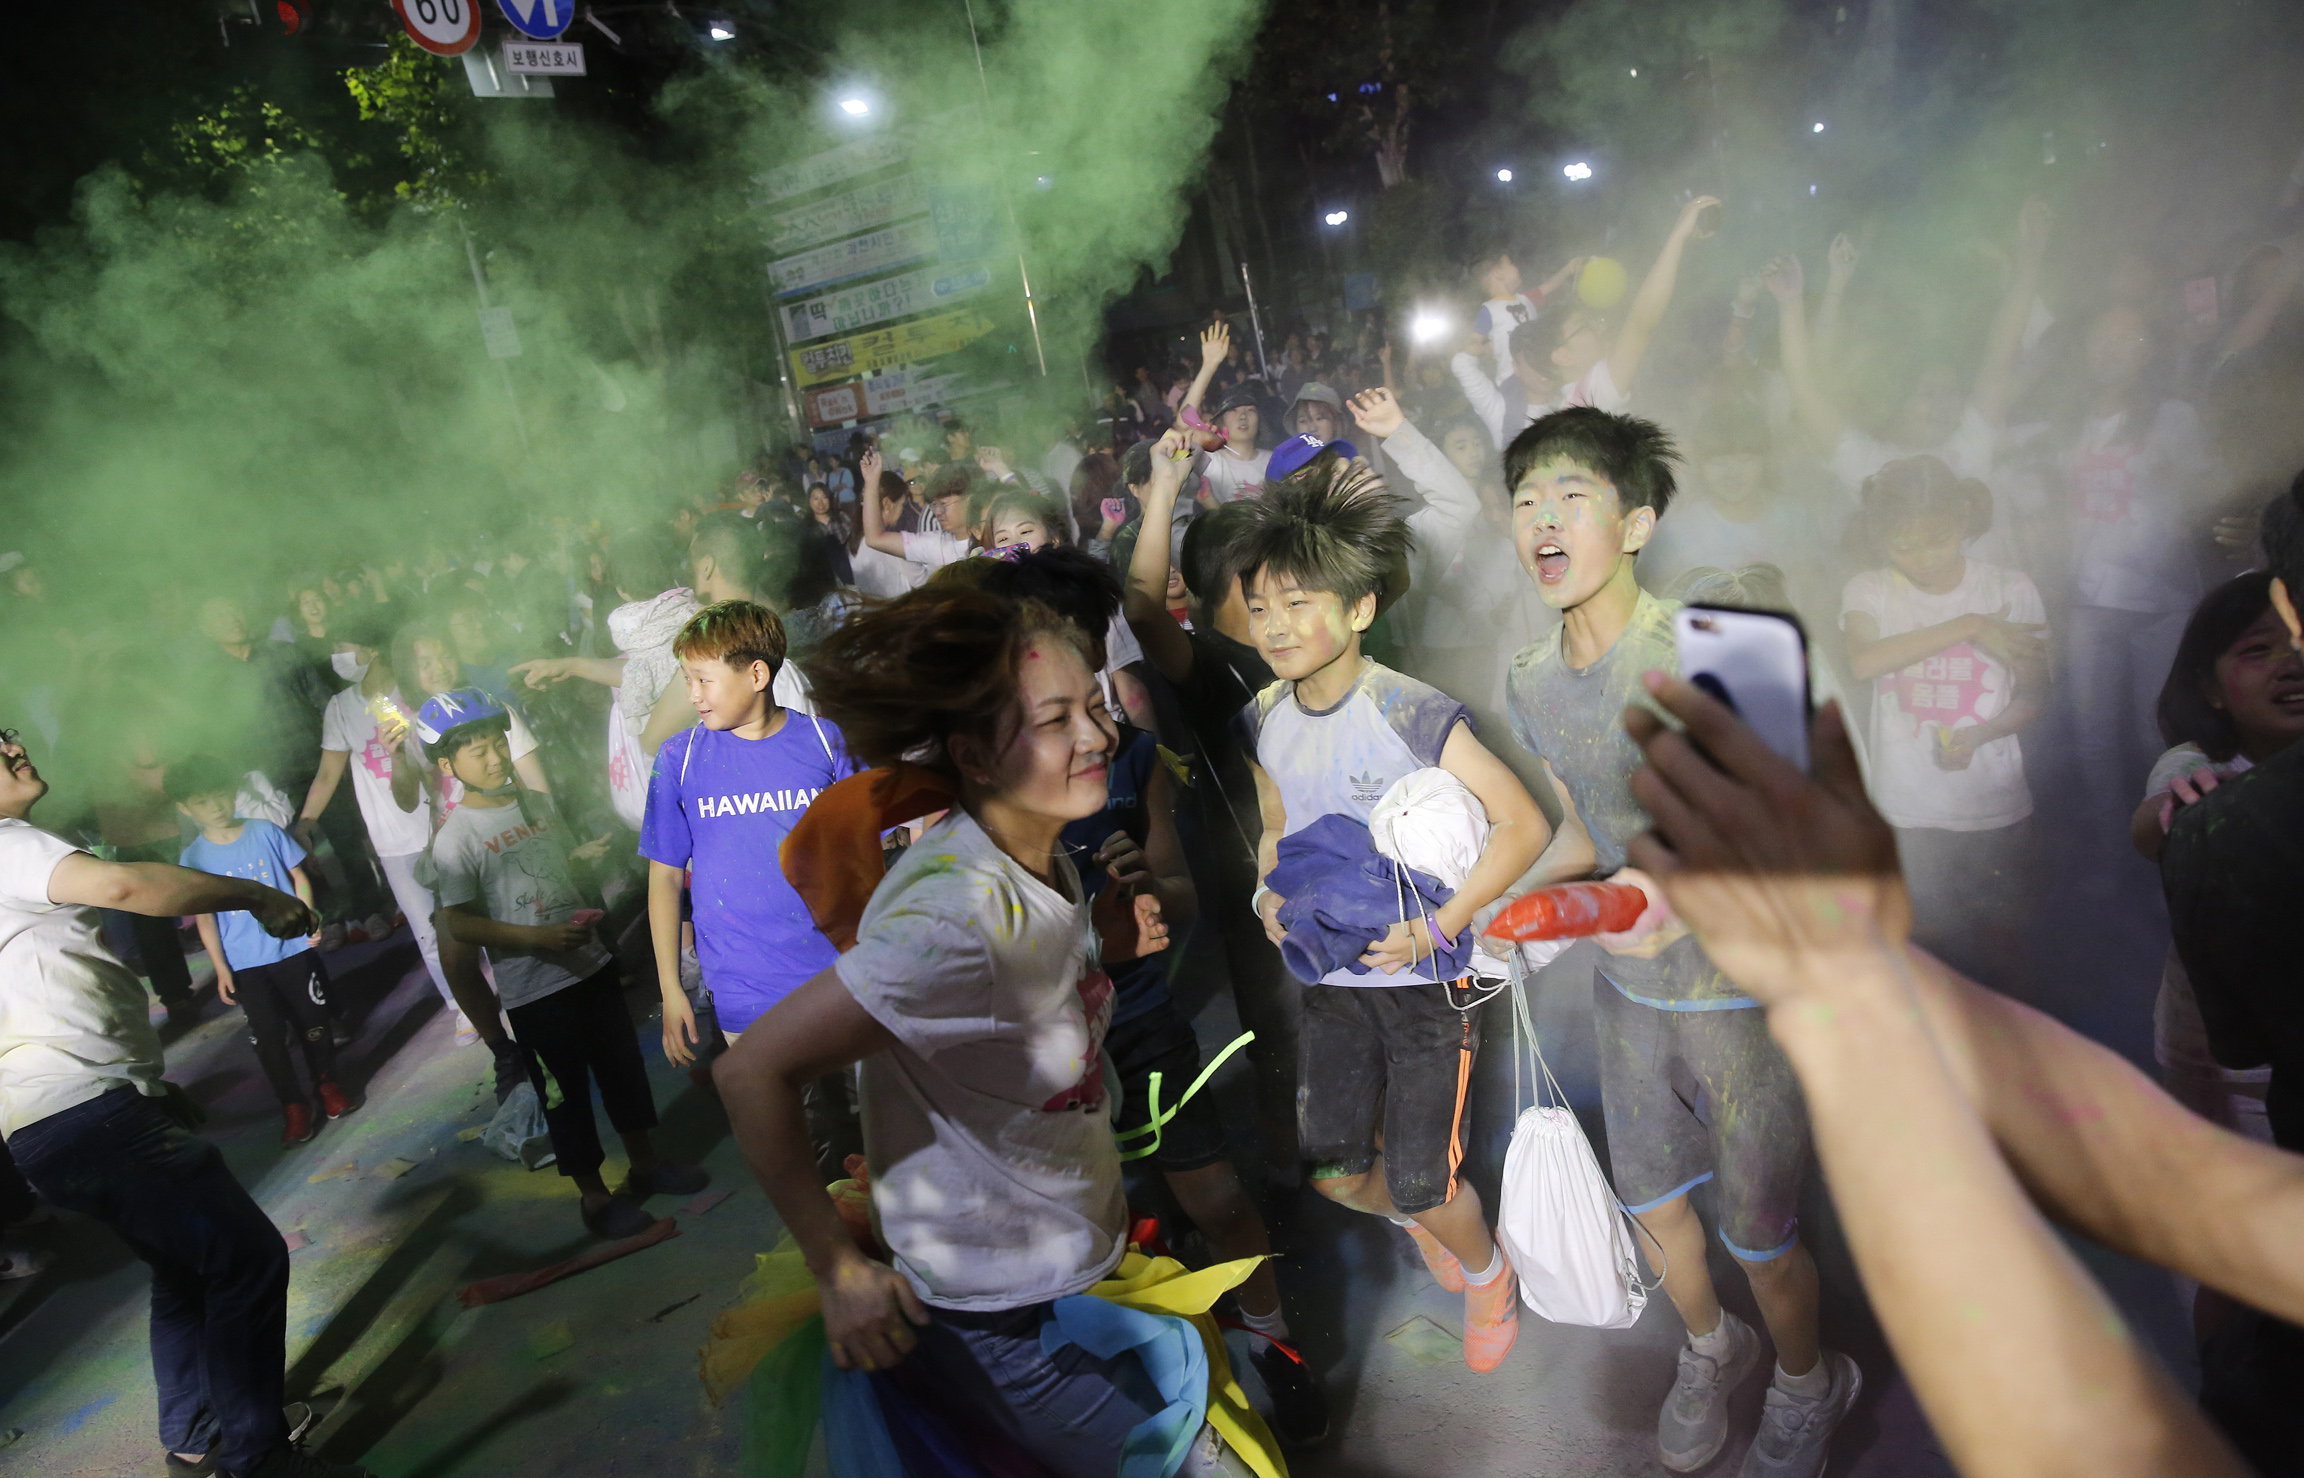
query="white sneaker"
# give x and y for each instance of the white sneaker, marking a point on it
(466, 1033)
(1693, 1426)
(1795, 1429)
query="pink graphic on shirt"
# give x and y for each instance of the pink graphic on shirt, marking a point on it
(1945, 689)
(1095, 989)
(619, 770)
(2104, 484)
(376, 759)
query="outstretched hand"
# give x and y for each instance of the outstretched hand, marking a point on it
(1215, 345)
(1692, 211)
(1781, 874)
(868, 469)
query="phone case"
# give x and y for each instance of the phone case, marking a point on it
(1756, 662)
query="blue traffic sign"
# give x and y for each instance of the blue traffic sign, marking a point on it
(541, 20)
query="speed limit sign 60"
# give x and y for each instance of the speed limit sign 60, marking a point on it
(443, 27)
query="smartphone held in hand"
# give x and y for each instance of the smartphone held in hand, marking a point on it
(1756, 662)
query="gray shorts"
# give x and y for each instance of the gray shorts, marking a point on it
(1692, 1096)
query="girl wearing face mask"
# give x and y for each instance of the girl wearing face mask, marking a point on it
(975, 1001)
(1956, 650)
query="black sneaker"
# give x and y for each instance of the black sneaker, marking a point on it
(288, 1462)
(1299, 1399)
(618, 1219)
(666, 1179)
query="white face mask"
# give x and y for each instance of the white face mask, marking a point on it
(348, 666)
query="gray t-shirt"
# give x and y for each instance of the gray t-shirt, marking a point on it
(1574, 718)
(516, 866)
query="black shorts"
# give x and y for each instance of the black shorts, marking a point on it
(1389, 1060)
(1160, 1041)
(1694, 1095)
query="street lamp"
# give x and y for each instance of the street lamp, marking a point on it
(1336, 217)
(1503, 177)
(1577, 171)
(720, 31)
(855, 107)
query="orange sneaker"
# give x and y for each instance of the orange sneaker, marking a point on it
(1491, 1317)
(1446, 1270)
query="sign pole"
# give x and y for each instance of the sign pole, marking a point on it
(1255, 321)
(784, 371)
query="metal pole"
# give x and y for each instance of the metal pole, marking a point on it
(784, 371)
(1255, 320)
(480, 282)
(1023, 272)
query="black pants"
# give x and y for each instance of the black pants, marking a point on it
(583, 1034)
(219, 1267)
(288, 1000)
(156, 939)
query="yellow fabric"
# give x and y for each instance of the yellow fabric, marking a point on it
(1162, 1285)
(780, 1296)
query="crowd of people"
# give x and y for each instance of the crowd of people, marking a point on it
(928, 755)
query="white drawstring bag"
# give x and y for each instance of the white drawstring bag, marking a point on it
(1560, 1221)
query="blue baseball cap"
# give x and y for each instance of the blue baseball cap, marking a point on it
(1297, 452)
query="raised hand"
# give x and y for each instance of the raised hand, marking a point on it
(1215, 345)
(1843, 258)
(1377, 412)
(868, 468)
(1689, 213)
(1783, 277)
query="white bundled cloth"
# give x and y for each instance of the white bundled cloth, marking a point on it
(1559, 1219)
(1430, 822)
(260, 798)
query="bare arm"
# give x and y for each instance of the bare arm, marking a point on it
(1654, 297)
(333, 763)
(818, 1029)
(1995, 377)
(672, 714)
(162, 890)
(1517, 835)
(1215, 346)
(1817, 412)
(545, 671)
(664, 886)
(876, 532)
(469, 926)
(1872, 655)
(2021, 1363)
(2257, 319)
(1487, 401)
(1842, 258)
(1274, 813)
(1145, 602)
(531, 772)
(213, 943)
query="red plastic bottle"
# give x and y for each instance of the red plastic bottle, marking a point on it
(1571, 911)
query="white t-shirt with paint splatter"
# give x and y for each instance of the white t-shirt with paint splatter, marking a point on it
(995, 1180)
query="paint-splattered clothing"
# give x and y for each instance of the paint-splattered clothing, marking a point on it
(1574, 718)
(721, 805)
(995, 1181)
(1691, 1083)
(515, 866)
(1339, 761)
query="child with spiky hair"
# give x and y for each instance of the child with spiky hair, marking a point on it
(1387, 1049)
(1587, 489)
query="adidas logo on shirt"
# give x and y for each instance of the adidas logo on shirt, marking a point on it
(1367, 790)
(756, 802)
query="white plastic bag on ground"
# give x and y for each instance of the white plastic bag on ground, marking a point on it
(518, 1131)
(1559, 1220)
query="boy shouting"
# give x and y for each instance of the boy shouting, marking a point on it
(1587, 489)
